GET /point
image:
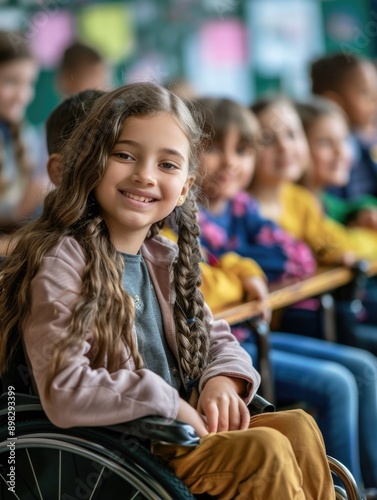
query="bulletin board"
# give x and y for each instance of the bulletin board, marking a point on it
(141, 40)
(232, 48)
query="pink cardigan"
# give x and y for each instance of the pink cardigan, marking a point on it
(82, 396)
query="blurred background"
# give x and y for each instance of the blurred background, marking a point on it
(233, 48)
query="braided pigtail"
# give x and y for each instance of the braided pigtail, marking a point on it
(155, 229)
(192, 332)
(22, 165)
(20, 151)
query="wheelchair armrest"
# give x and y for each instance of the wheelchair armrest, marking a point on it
(160, 429)
(260, 405)
(177, 432)
(150, 428)
(146, 428)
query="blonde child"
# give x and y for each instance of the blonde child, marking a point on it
(115, 311)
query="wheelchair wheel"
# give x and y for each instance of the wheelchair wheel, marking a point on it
(82, 463)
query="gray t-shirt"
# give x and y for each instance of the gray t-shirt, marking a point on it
(151, 339)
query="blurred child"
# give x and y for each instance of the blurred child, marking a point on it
(327, 132)
(21, 162)
(60, 124)
(304, 369)
(81, 68)
(351, 82)
(279, 164)
(230, 218)
(299, 211)
(115, 311)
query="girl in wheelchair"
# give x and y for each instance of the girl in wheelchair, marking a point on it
(111, 318)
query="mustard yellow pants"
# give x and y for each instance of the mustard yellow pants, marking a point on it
(281, 456)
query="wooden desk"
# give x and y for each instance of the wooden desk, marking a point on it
(282, 295)
(288, 293)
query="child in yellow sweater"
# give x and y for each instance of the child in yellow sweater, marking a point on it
(281, 160)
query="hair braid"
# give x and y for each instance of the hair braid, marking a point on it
(19, 150)
(192, 337)
(22, 165)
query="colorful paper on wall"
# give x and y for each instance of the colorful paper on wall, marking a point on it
(223, 43)
(50, 34)
(10, 18)
(212, 77)
(109, 28)
(284, 34)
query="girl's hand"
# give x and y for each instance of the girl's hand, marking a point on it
(256, 289)
(221, 404)
(188, 414)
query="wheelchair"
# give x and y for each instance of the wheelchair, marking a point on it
(44, 462)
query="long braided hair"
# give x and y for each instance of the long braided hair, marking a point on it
(8, 54)
(192, 338)
(104, 306)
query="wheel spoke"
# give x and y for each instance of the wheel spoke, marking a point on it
(60, 475)
(33, 471)
(59, 465)
(136, 495)
(98, 480)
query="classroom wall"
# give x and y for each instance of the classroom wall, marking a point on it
(234, 48)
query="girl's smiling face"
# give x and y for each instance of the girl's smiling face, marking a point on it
(283, 154)
(330, 151)
(227, 168)
(147, 171)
